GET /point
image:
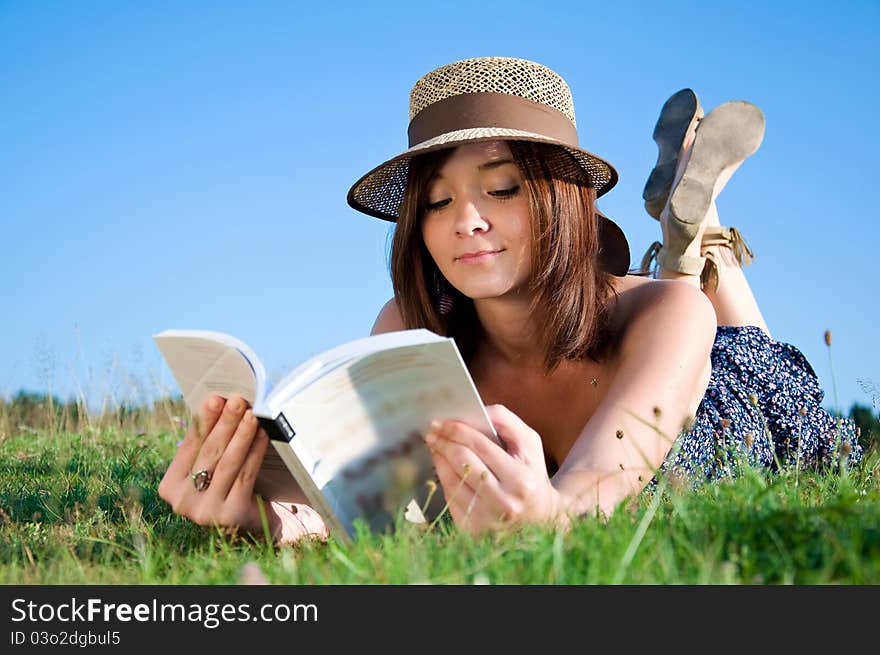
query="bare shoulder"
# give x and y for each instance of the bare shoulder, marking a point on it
(662, 312)
(389, 319)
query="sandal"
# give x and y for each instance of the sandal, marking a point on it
(715, 235)
(657, 256)
(724, 138)
(718, 235)
(678, 114)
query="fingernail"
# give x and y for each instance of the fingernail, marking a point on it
(215, 403)
(436, 426)
(430, 437)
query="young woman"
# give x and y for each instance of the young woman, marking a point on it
(593, 378)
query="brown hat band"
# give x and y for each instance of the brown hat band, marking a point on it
(502, 110)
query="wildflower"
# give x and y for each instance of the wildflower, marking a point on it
(753, 398)
(414, 513)
(432, 488)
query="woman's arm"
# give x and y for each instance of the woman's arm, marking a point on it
(664, 363)
(663, 373)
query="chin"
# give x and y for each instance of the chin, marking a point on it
(485, 292)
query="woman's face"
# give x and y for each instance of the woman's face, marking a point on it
(477, 225)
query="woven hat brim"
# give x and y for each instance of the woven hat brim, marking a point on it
(380, 192)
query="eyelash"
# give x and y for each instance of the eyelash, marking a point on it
(501, 194)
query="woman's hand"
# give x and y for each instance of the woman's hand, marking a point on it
(211, 478)
(488, 488)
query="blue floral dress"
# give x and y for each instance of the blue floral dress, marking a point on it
(763, 403)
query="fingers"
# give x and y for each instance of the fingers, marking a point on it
(182, 464)
(500, 463)
(246, 475)
(463, 460)
(455, 489)
(469, 508)
(234, 457)
(507, 484)
(232, 453)
(218, 438)
(521, 440)
(501, 499)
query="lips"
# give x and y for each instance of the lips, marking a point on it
(479, 255)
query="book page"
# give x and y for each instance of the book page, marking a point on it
(205, 363)
(274, 481)
(326, 361)
(359, 429)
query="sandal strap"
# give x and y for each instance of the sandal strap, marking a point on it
(682, 264)
(656, 256)
(732, 238)
(649, 261)
(709, 276)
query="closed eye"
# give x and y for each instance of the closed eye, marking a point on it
(501, 194)
(505, 193)
(434, 206)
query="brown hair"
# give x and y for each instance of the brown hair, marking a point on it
(570, 291)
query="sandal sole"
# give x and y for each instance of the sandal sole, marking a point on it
(678, 113)
(725, 138)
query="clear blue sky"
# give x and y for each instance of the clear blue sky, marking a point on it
(185, 165)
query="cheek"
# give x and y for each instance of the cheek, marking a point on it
(524, 229)
(430, 237)
(434, 244)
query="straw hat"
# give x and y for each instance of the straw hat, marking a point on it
(487, 99)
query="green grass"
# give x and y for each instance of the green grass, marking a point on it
(82, 508)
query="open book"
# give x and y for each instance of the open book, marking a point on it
(347, 425)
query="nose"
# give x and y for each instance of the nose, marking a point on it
(469, 218)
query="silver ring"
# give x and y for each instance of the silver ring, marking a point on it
(201, 479)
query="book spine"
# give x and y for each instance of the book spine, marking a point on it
(278, 429)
